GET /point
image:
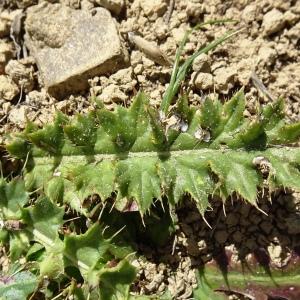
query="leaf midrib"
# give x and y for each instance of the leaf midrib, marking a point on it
(201, 153)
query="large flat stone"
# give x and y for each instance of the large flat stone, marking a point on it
(71, 46)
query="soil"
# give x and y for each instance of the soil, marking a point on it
(268, 45)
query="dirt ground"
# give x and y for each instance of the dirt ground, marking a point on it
(269, 45)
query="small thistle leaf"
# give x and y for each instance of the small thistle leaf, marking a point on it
(233, 111)
(115, 281)
(99, 180)
(251, 136)
(19, 148)
(138, 179)
(87, 250)
(159, 138)
(55, 189)
(43, 220)
(230, 121)
(184, 110)
(52, 264)
(83, 133)
(211, 115)
(286, 134)
(237, 175)
(183, 176)
(13, 197)
(285, 173)
(51, 138)
(90, 252)
(18, 244)
(272, 114)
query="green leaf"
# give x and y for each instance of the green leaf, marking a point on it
(83, 132)
(18, 244)
(138, 178)
(236, 174)
(12, 197)
(43, 220)
(50, 138)
(273, 114)
(143, 158)
(115, 282)
(204, 291)
(35, 251)
(92, 255)
(17, 286)
(211, 115)
(256, 277)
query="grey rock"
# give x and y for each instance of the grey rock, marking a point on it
(280, 256)
(252, 228)
(4, 26)
(71, 46)
(291, 18)
(202, 81)
(17, 116)
(251, 244)
(86, 5)
(250, 13)
(202, 246)
(267, 55)
(255, 218)
(124, 78)
(6, 53)
(112, 93)
(22, 73)
(8, 89)
(115, 6)
(262, 240)
(224, 79)
(154, 7)
(245, 209)
(202, 63)
(187, 230)
(193, 248)
(273, 21)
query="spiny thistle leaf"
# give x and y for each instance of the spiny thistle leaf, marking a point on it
(87, 251)
(115, 282)
(41, 223)
(132, 151)
(43, 220)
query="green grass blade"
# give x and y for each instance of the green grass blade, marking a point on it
(177, 76)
